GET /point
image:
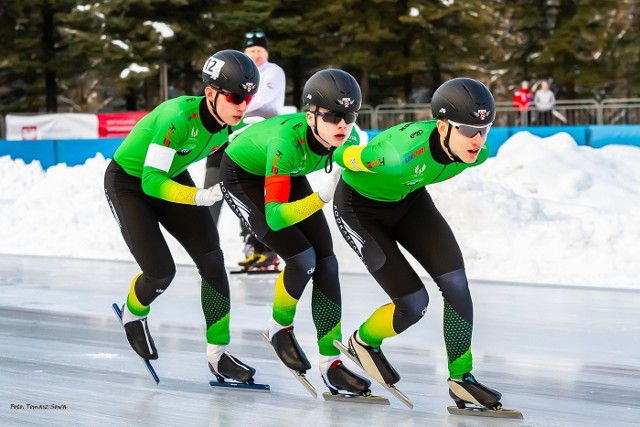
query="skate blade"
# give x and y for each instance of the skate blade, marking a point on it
(298, 375)
(241, 386)
(356, 398)
(147, 363)
(390, 388)
(486, 412)
(254, 272)
(251, 272)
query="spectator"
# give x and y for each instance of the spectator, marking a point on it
(544, 101)
(521, 101)
(268, 102)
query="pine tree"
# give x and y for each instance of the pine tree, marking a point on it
(108, 55)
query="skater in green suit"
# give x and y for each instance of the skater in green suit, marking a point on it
(381, 204)
(263, 176)
(147, 184)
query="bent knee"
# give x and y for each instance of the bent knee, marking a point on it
(303, 262)
(409, 309)
(149, 287)
(211, 264)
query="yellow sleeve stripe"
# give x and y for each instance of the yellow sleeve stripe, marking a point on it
(351, 158)
(281, 215)
(172, 191)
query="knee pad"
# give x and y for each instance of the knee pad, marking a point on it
(409, 309)
(455, 290)
(326, 280)
(304, 262)
(328, 265)
(299, 269)
(149, 288)
(211, 264)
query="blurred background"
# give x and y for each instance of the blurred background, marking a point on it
(128, 55)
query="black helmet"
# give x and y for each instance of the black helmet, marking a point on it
(465, 101)
(233, 71)
(333, 89)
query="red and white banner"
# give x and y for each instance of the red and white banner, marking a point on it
(51, 126)
(118, 125)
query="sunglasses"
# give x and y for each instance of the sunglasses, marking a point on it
(336, 117)
(470, 130)
(254, 34)
(234, 98)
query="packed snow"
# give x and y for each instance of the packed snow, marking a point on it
(544, 210)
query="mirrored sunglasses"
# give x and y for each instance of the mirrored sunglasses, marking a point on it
(335, 116)
(234, 98)
(254, 34)
(470, 131)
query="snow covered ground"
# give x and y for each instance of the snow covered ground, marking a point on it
(544, 210)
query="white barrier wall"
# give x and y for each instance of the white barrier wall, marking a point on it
(64, 126)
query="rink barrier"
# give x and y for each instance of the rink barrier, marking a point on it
(50, 152)
(77, 151)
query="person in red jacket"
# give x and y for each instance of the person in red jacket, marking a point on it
(521, 101)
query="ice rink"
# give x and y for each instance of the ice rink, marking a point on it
(564, 356)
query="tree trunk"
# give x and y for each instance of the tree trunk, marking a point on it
(48, 49)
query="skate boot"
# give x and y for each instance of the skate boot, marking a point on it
(249, 251)
(249, 260)
(373, 362)
(231, 368)
(288, 350)
(265, 261)
(468, 390)
(140, 339)
(338, 377)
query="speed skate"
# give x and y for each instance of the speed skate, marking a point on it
(147, 363)
(298, 375)
(480, 411)
(225, 383)
(390, 387)
(328, 395)
(468, 403)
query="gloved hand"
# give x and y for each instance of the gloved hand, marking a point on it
(208, 196)
(326, 192)
(248, 122)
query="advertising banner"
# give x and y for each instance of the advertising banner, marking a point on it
(51, 126)
(117, 125)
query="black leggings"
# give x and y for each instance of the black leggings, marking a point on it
(139, 217)
(306, 248)
(244, 192)
(375, 231)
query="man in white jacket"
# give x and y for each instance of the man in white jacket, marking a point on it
(268, 102)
